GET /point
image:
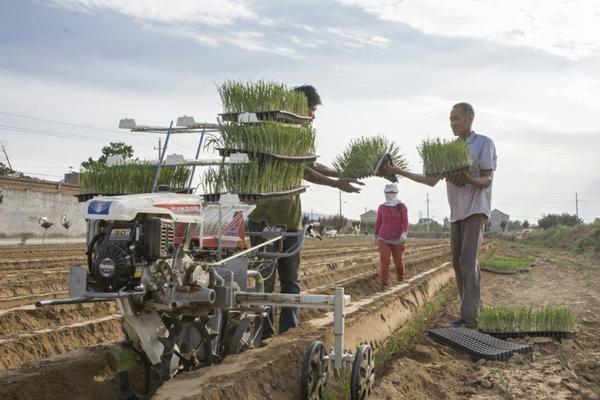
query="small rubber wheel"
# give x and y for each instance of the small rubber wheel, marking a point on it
(363, 373)
(315, 372)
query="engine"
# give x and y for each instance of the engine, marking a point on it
(119, 251)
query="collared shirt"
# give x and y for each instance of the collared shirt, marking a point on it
(468, 200)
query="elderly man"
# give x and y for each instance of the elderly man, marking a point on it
(470, 200)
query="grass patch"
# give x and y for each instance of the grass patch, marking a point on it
(361, 156)
(238, 97)
(443, 156)
(130, 178)
(583, 238)
(506, 263)
(526, 319)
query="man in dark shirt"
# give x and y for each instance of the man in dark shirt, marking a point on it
(288, 212)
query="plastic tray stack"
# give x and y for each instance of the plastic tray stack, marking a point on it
(476, 344)
(264, 158)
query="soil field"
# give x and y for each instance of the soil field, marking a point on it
(567, 369)
(60, 352)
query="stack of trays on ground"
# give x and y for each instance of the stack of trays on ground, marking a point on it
(443, 158)
(256, 121)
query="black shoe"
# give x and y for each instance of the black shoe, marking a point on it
(459, 323)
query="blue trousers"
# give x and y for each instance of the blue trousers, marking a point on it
(287, 269)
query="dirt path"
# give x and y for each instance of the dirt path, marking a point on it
(556, 370)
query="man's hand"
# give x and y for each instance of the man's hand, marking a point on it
(344, 184)
(458, 179)
(386, 168)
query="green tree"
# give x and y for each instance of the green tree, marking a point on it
(113, 149)
(551, 220)
(7, 171)
(525, 224)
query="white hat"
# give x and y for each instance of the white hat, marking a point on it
(390, 188)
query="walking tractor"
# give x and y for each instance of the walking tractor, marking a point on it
(190, 287)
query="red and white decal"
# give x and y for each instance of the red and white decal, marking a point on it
(182, 209)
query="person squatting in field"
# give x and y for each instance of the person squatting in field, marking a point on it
(470, 200)
(288, 212)
(391, 228)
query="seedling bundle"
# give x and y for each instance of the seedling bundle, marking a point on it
(279, 151)
(365, 157)
(505, 264)
(261, 96)
(444, 157)
(527, 321)
(130, 178)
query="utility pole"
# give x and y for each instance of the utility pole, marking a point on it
(427, 212)
(311, 215)
(159, 147)
(576, 204)
(340, 190)
(7, 160)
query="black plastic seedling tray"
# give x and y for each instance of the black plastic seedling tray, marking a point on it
(476, 344)
(552, 334)
(226, 152)
(256, 197)
(449, 173)
(278, 116)
(506, 272)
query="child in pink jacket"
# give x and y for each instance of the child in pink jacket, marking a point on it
(391, 229)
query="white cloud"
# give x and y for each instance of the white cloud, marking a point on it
(568, 28)
(214, 12)
(356, 38)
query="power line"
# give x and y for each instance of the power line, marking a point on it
(58, 122)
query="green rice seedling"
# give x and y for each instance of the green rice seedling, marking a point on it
(130, 178)
(441, 157)
(237, 97)
(267, 137)
(361, 157)
(526, 319)
(254, 177)
(506, 264)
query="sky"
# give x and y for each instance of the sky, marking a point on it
(70, 69)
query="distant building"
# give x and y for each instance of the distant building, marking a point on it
(72, 178)
(498, 221)
(367, 221)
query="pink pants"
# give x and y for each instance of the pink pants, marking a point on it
(397, 252)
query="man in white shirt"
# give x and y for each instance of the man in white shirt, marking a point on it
(470, 200)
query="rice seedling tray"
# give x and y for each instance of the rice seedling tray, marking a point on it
(277, 116)
(256, 197)
(386, 158)
(451, 172)
(551, 334)
(476, 344)
(265, 157)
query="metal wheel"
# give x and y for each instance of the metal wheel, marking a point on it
(363, 373)
(315, 372)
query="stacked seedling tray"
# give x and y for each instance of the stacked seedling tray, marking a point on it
(129, 178)
(444, 158)
(365, 157)
(279, 149)
(506, 264)
(476, 344)
(506, 322)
